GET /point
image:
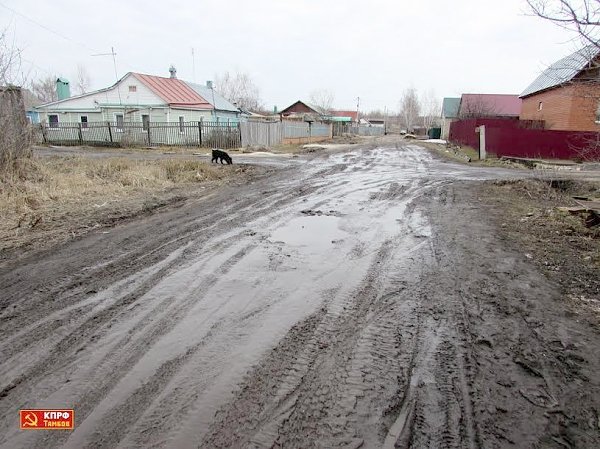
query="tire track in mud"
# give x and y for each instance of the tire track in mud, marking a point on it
(23, 339)
(334, 386)
(511, 384)
(420, 349)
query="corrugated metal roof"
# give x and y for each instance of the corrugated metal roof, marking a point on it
(490, 105)
(563, 70)
(174, 91)
(221, 103)
(450, 107)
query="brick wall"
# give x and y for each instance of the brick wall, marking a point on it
(571, 108)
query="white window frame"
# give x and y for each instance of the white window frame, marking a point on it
(115, 114)
(57, 120)
(134, 88)
(540, 105)
(181, 122)
(87, 122)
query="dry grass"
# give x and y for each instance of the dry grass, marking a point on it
(46, 197)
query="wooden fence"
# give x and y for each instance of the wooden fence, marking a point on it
(192, 134)
(341, 128)
(287, 131)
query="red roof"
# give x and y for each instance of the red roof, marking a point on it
(352, 114)
(174, 91)
(490, 104)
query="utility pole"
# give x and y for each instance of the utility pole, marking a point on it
(357, 109)
(114, 58)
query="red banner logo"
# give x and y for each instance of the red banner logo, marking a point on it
(49, 419)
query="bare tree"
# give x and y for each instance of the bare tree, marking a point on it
(323, 99)
(431, 108)
(10, 61)
(15, 137)
(476, 107)
(239, 89)
(45, 89)
(82, 80)
(410, 108)
(580, 16)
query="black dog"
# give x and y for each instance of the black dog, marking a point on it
(221, 155)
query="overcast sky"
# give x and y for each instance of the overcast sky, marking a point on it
(372, 49)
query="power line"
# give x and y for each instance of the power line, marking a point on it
(62, 36)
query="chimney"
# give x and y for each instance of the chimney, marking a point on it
(173, 71)
(63, 91)
(209, 84)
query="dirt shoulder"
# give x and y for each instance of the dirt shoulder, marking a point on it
(558, 243)
(50, 200)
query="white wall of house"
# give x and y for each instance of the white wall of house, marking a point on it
(115, 95)
(129, 97)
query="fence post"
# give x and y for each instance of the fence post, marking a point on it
(109, 132)
(200, 132)
(44, 138)
(149, 134)
(482, 154)
(80, 134)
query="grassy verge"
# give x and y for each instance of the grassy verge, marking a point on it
(48, 199)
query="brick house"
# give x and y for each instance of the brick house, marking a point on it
(565, 96)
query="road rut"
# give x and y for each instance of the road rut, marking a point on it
(355, 299)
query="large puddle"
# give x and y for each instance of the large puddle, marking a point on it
(315, 231)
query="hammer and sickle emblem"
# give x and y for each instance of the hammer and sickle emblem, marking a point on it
(31, 420)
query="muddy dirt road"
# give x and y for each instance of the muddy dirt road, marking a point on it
(358, 299)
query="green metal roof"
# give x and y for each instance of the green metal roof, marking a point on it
(450, 107)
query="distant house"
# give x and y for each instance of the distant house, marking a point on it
(565, 96)
(141, 98)
(301, 110)
(343, 116)
(489, 105)
(450, 107)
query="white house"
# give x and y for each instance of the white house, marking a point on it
(140, 98)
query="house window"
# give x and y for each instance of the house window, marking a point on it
(84, 121)
(181, 122)
(145, 122)
(119, 120)
(598, 114)
(540, 106)
(132, 88)
(53, 120)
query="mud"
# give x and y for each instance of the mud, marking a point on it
(360, 299)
